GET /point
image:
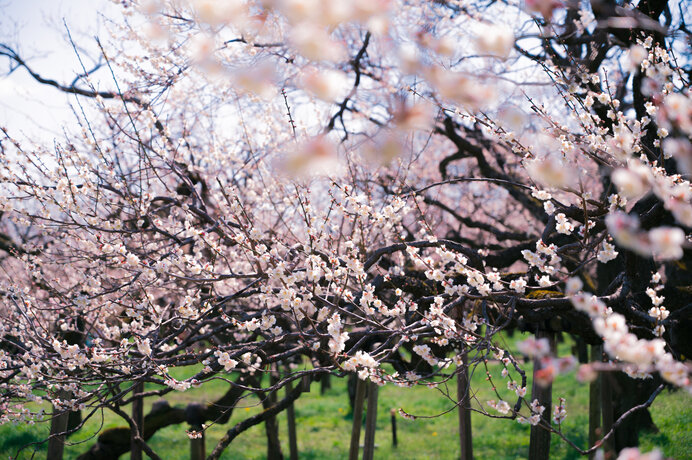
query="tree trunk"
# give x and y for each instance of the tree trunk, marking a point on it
(595, 431)
(58, 425)
(539, 443)
(271, 425)
(194, 416)
(138, 419)
(114, 442)
(325, 383)
(463, 385)
(351, 388)
(357, 419)
(370, 422)
(628, 393)
(291, 416)
(607, 407)
(197, 450)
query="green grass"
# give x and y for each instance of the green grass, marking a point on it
(324, 425)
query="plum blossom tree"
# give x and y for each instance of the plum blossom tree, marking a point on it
(304, 188)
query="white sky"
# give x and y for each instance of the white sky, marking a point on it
(35, 28)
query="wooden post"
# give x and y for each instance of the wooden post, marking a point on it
(58, 425)
(595, 432)
(291, 416)
(138, 419)
(392, 414)
(463, 384)
(370, 422)
(357, 420)
(539, 441)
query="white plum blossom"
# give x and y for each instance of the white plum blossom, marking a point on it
(518, 285)
(327, 85)
(360, 359)
(225, 360)
(573, 285)
(495, 40)
(666, 242)
(607, 253)
(425, 352)
(563, 225)
(544, 281)
(317, 187)
(560, 412)
(501, 406)
(550, 171)
(636, 55)
(534, 348)
(144, 347)
(338, 339)
(633, 453)
(633, 181)
(315, 43)
(545, 7)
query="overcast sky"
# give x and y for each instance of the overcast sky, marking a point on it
(36, 29)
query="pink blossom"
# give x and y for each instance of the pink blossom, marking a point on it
(534, 348)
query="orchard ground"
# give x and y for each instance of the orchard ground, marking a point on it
(324, 425)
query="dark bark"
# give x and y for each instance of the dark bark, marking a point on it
(595, 429)
(114, 442)
(370, 422)
(138, 419)
(58, 426)
(257, 419)
(291, 420)
(606, 381)
(627, 394)
(271, 424)
(359, 399)
(539, 442)
(465, 433)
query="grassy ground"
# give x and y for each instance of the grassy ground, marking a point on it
(324, 425)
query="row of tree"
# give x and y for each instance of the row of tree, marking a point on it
(307, 189)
